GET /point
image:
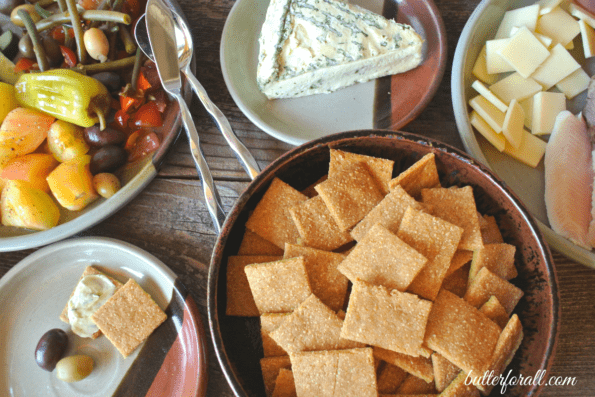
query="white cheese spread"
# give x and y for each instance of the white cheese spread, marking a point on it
(90, 293)
(318, 46)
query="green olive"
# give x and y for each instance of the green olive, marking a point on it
(30, 8)
(74, 368)
(106, 184)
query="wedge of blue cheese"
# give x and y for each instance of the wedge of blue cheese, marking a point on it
(319, 46)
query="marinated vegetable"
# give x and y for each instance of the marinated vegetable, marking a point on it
(51, 348)
(22, 205)
(74, 368)
(71, 183)
(106, 184)
(66, 141)
(8, 101)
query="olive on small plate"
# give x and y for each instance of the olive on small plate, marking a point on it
(51, 348)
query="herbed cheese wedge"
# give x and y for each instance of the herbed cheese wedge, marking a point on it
(319, 46)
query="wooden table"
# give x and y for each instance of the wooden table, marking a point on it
(169, 219)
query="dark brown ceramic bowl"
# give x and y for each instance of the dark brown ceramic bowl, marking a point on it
(237, 340)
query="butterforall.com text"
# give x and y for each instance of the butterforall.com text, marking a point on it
(490, 378)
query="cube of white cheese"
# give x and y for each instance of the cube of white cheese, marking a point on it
(555, 68)
(588, 38)
(582, 14)
(483, 90)
(513, 126)
(530, 152)
(546, 6)
(559, 25)
(546, 106)
(494, 61)
(524, 52)
(525, 16)
(527, 105)
(490, 113)
(574, 84)
(516, 87)
(480, 69)
(488, 132)
(546, 41)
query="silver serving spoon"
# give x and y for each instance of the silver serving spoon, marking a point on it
(185, 51)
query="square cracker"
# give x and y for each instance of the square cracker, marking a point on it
(284, 385)
(444, 371)
(457, 206)
(389, 213)
(271, 366)
(381, 169)
(374, 309)
(490, 232)
(89, 270)
(271, 219)
(437, 240)
(508, 343)
(460, 259)
(278, 287)
(381, 258)
(268, 323)
(128, 317)
(253, 244)
(316, 225)
(332, 373)
(389, 377)
(460, 388)
(457, 282)
(350, 194)
(461, 333)
(421, 175)
(494, 310)
(498, 258)
(240, 301)
(326, 281)
(486, 284)
(418, 366)
(312, 326)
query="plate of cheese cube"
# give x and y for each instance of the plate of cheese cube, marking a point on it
(518, 65)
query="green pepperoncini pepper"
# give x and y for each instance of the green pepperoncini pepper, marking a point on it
(66, 95)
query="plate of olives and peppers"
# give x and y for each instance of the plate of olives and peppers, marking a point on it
(41, 356)
(84, 121)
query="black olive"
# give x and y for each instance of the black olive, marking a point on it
(109, 136)
(108, 159)
(110, 80)
(50, 348)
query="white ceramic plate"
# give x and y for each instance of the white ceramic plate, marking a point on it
(384, 103)
(528, 183)
(33, 294)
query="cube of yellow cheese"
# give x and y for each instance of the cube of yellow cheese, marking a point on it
(546, 106)
(488, 132)
(555, 68)
(524, 52)
(588, 38)
(494, 61)
(530, 152)
(516, 87)
(480, 69)
(546, 41)
(513, 126)
(546, 6)
(487, 94)
(559, 25)
(527, 105)
(574, 84)
(525, 16)
(490, 113)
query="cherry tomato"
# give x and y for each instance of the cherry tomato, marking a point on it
(140, 143)
(147, 116)
(69, 56)
(24, 65)
(121, 119)
(58, 34)
(160, 100)
(131, 103)
(89, 4)
(142, 82)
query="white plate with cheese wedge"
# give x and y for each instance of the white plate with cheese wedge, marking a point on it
(389, 102)
(527, 182)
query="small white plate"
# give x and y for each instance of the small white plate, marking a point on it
(384, 103)
(33, 294)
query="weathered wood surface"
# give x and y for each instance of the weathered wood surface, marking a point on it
(169, 219)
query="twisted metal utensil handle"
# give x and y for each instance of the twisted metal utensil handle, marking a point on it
(242, 153)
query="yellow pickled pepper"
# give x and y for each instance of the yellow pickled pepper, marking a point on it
(66, 95)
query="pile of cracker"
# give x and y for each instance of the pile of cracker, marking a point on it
(371, 285)
(127, 318)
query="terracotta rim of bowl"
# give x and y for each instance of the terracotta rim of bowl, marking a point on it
(264, 177)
